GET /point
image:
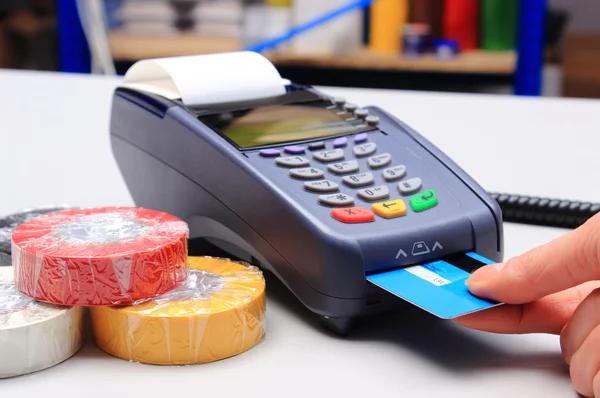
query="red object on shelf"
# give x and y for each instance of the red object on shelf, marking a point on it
(461, 23)
(427, 12)
(100, 256)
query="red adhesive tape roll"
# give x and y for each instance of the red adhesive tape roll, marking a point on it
(100, 256)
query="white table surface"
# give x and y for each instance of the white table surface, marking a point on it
(54, 149)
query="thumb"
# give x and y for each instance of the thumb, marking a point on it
(568, 261)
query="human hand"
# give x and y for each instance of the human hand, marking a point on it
(551, 289)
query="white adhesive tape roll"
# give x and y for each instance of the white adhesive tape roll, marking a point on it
(34, 336)
(208, 79)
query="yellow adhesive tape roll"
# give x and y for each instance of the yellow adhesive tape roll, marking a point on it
(217, 313)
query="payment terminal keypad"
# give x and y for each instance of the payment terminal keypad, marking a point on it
(338, 199)
(409, 186)
(353, 215)
(322, 186)
(340, 142)
(310, 173)
(378, 161)
(316, 145)
(329, 156)
(379, 187)
(376, 193)
(292, 161)
(394, 173)
(350, 166)
(390, 209)
(424, 201)
(359, 180)
(365, 149)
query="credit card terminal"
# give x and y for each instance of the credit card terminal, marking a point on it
(319, 191)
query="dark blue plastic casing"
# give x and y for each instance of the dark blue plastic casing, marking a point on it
(246, 204)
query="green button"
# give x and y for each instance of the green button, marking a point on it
(423, 201)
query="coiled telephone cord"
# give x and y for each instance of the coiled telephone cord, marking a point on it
(548, 212)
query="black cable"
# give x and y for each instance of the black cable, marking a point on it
(547, 212)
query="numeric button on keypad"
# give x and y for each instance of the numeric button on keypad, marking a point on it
(394, 173)
(364, 149)
(359, 180)
(329, 156)
(321, 186)
(307, 173)
(337, 199)
(379, 160)
(375, 193)
(316, 146)
(292, 161)
(350, 166)
(410, 186)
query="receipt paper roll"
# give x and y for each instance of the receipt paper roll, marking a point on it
(34, 336)
(99, 256)
(218, 313)
(208, 79)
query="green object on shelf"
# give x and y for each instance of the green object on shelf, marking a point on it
(499, 19)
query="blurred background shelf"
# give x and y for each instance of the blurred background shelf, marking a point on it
(441, 45)
(466, 72)
(132, 47)
(128, 47)
(478, 62)
(499, 50)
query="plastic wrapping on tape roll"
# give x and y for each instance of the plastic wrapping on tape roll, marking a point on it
(218, 313)
(34, 336)
(12, 221)
(100, 256)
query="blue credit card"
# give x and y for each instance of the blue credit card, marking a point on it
(437, 287)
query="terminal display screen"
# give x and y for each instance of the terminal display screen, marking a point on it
(276, 124)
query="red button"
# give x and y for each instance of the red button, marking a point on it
(353, 214)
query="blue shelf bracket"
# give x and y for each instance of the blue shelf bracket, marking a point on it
(530, 48)
(73, 50)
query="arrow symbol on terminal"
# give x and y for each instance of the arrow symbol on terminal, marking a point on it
(428, 196)
(400, 252)
(388, 205)
(437, 246)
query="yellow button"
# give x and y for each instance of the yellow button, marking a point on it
(390, 209)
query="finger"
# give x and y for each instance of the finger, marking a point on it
(596, 385)
(585, 318)
(565, 262)
(585, 364)
(547, 315)
(511, 319)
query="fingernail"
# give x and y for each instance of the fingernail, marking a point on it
(481, 278)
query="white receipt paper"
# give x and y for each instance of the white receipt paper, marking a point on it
(208, 79)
